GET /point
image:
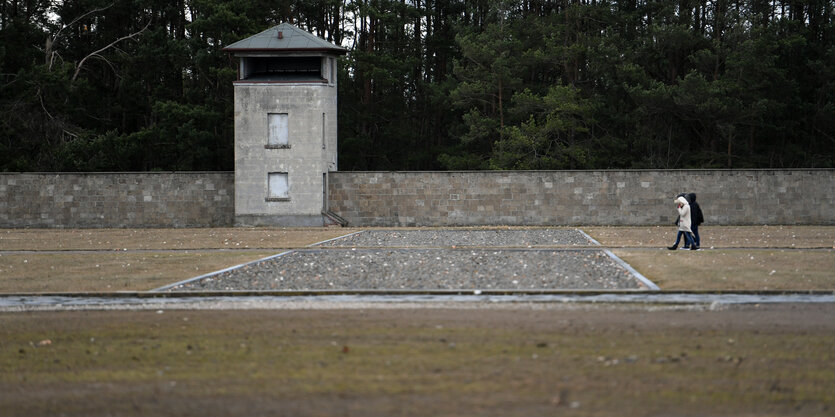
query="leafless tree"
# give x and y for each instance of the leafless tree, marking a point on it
(98, 52)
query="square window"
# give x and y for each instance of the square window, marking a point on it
(279, 131)
(278, 185)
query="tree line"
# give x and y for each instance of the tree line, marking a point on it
(138, 85)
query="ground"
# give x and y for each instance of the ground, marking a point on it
(735, 257)
(440, 359)
(523, 360)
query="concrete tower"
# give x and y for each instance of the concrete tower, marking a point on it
(285, 127)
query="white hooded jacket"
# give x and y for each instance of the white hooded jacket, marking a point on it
(683, 215)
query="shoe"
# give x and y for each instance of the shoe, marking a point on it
(694, 248)
(672, 247)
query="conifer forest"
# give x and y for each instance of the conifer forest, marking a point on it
(144, 85)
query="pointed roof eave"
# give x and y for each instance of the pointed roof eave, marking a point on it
(293, 39)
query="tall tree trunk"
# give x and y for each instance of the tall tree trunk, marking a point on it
(418, 43)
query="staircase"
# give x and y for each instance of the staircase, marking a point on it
(332, 219)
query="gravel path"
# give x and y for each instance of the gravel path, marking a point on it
(432, 260)
(462, 238)
(424, 269)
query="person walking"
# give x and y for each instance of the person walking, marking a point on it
(696, 217)
(684, 223)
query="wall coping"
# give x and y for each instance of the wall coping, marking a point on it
(121, 173)
(596, 170)
(438, 172)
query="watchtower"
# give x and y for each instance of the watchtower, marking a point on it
(285, 127)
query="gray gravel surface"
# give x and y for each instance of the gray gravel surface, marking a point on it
(463, 238)
(437, 259)
(423, 269)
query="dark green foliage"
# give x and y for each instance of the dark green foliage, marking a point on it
(123, 85)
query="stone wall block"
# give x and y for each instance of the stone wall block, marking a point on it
(634, 197)
(93, 200)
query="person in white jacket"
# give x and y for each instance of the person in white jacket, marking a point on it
(684, 223)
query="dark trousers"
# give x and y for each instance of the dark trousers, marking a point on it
(688, 240)
(696, 238)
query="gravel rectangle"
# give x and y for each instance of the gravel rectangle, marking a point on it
(424, 269)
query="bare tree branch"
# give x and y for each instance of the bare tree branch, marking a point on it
(50, 41)
(96, 53)
(110, 64)
(43, 106)
(58, 123)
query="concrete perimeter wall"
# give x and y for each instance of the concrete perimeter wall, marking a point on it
(133, 199)
(640, 197)
(634, 197)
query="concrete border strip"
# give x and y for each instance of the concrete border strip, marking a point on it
(640, 277)
(410, 292)
(325, 301)
(211, 274)
(588, 237)
(644, 280)
(336, 238)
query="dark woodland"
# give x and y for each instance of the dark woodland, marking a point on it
(143, 85)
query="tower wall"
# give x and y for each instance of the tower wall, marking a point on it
(305, 160)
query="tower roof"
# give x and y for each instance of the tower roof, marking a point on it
(284, 37)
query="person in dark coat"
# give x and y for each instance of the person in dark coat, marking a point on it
(697, 218)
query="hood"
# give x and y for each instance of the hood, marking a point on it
(691, 197)
(682, 200)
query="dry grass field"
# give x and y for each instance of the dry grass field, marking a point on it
(734, 258)
(103, 260)
(769, 360)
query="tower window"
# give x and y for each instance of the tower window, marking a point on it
(279, 186)
(282, 69)
(278, 135)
